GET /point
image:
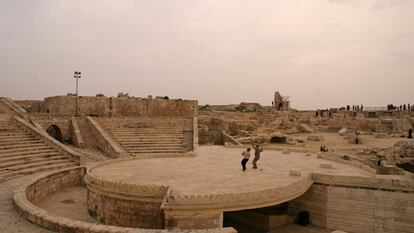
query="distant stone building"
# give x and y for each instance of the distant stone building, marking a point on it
(280, 103)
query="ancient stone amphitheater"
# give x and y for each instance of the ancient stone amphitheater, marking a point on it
(134, 165)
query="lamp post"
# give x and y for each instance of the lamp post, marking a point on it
(77, 75)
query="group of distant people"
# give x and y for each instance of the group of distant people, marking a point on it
(355, 108)
(323, 113)
(403, 107)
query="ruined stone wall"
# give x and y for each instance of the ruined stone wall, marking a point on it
(123, 106)
(129, 106)
(209, 137)
(356, 209)
(65, 105)
(182, 108)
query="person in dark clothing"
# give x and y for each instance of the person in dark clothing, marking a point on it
(257, 150)
(410, 133)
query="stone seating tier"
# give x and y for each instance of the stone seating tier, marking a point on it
(22, 153)
(147, 135)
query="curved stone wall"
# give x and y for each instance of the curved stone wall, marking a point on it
(121, 203)
(239, 201)
(40, 187)
(126, 205)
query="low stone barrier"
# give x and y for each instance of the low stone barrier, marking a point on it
(17, 109)
(104, 141)
(40, 187)
(76, 134)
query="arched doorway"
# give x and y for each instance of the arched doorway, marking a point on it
(55, 132)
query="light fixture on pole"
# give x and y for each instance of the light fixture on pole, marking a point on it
(77, 75)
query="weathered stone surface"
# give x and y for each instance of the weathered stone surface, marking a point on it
(315, 138)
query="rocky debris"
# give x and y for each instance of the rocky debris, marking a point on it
(343, 131)
(404, 149)
(306, 128)
(316, 138)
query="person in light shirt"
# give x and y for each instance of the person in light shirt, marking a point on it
(246, 157)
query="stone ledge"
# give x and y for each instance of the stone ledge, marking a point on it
(365, 182)
(334, 157)
(76, 133)
(238, 201)
(110, 147)
(50, 221)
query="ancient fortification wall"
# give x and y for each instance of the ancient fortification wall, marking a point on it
(123, 106)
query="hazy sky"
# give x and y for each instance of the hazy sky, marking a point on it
(321, 53)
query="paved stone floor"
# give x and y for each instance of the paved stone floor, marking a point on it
(69, 203)
(218, 170)
(10, 220)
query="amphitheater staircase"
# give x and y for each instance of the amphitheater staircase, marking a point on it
(22, 154)
(147, 136)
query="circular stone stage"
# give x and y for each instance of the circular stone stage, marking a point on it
(193, 192)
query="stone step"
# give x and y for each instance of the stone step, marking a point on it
(140, 131)
(8, 130)
(178, 146)
(20, 141)
(30, 159)
(150, 143)
(163, 148)
(158, 155)
(12, 133)
(29, 152)
(6, 138)
(155, 150)
(32, 165)
(165, 137)
(153, 143)
(143, 125)
(23, 147)
(29, 171)
(16, 137)
(152, 137)
(142, 122)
